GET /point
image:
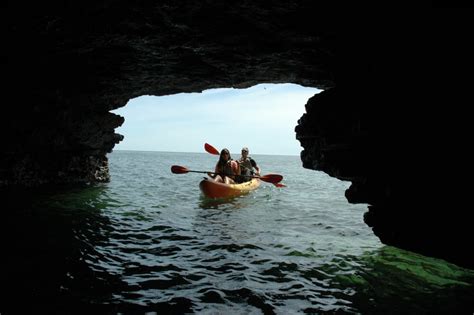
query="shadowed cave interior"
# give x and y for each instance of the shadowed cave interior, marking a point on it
(69, 65)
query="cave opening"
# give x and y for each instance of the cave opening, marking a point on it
(262, 117)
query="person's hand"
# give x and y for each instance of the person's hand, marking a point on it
(210, 174)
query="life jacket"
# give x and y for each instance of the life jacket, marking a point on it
(229, 169)
(246, 165)
(246, 168)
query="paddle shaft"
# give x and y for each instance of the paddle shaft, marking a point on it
(204, 172)
(270, 178)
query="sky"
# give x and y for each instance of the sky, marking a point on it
(262, 118)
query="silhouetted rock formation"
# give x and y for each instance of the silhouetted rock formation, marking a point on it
(69, 64)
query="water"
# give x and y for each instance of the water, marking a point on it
(149, 242)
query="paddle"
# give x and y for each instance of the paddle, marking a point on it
(270, 178)
(210, 149)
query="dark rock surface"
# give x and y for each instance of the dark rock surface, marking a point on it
(67, 64)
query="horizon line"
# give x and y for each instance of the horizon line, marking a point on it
(194, 152)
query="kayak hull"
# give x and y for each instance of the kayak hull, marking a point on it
(212, 189)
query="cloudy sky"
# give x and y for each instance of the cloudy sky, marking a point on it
(261, 118)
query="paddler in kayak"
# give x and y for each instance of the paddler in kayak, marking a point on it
(248, 166)
(226, 169)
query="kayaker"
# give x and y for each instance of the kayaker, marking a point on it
(248, 166)
(226, 169)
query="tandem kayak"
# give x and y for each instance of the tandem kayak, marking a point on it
(214, 189)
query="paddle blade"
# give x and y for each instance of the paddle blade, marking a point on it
(176, 169)
(210, 149)
(272, 178)
(279, 185)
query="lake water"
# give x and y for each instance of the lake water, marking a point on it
(148, 242)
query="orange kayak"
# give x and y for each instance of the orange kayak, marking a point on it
(214, 189)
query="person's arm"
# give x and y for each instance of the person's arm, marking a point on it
(255, 166)
(215, 173)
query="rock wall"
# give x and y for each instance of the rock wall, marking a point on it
(68, 64)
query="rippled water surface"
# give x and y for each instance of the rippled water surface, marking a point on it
(149, 242)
